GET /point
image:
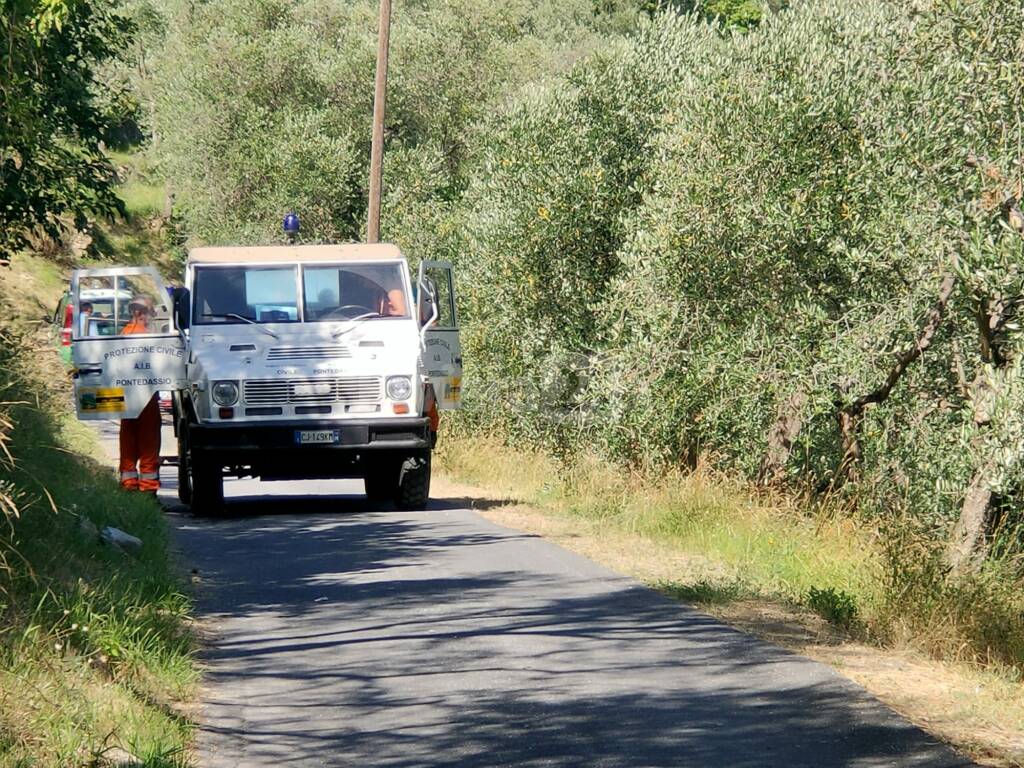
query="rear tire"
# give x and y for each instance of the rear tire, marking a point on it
(413, 482)
(207, 487)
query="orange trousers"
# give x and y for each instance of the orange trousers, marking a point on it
(140, 450)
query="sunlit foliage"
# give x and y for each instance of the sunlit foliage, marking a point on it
(52, 171)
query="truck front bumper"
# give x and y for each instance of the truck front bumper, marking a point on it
(240, 438)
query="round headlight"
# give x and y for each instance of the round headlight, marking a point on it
(399, 387)
(225, 393)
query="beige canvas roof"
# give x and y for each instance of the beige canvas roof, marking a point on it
(293, 253)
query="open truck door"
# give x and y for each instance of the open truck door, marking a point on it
(118, 367)
(442, 353)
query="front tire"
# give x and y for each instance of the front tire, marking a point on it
(184, 461)
(413, 482)
(381, 483)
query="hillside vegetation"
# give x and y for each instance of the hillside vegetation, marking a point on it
(95, 645)
(792, 248)
(55, 112)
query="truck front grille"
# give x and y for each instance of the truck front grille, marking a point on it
(348, 390)
(326, 352)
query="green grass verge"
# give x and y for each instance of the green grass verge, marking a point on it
(95, 644)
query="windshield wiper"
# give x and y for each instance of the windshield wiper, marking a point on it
(235, 316)
(353, 320)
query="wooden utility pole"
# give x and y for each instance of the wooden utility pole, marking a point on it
(377, 148)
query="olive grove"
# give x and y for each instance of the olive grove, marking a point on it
(794, 250)
(797, 250)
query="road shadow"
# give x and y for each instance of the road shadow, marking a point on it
(275, 503)
(435, 638)
(468, 502)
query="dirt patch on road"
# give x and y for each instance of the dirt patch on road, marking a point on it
(980, 713)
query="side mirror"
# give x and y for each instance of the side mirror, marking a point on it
(182, 308)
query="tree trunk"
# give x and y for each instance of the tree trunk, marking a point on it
(168, 211)
(849, 430)
(781, 437)
(968, 543)
(851, 414)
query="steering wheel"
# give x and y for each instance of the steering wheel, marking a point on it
(333, 311)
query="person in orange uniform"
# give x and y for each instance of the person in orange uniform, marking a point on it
(140, 437)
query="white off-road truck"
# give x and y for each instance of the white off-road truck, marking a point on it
(285, 362)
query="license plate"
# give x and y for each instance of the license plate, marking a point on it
(316, 436)
(312, 390)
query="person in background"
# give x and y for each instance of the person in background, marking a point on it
(140, 437)
(84, 315)
(394, 304)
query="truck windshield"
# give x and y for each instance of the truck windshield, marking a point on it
(232, 295)
(349, 291)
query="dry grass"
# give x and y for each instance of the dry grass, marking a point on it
(694, 538)
(750, 546)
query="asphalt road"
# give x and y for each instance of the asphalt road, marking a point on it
(342, 636)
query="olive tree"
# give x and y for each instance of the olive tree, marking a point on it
(53, 172)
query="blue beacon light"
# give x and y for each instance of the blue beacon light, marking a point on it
(291, 226)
